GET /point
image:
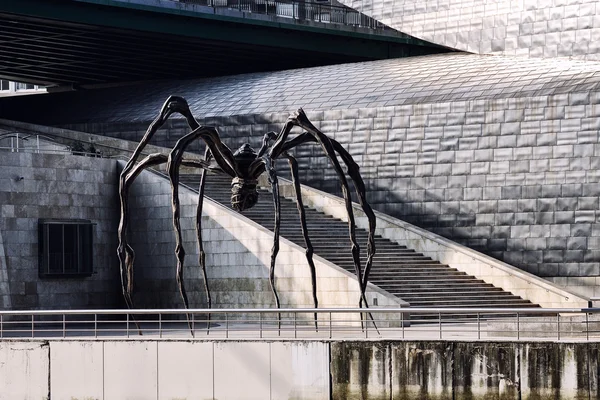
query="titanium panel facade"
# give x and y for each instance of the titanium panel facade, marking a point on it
(534, 28)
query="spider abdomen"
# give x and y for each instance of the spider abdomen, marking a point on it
(243, 193)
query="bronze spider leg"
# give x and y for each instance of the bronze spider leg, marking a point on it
(302, 121)
(302, 215)
(272, 176)
(353, 172)
(330, 146)
(213, 142)
(201, 253)
(125, 252)
(359, 184)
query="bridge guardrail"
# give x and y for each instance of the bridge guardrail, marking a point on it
(299, 10)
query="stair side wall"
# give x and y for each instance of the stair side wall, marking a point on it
(238, 255)
(497, 273)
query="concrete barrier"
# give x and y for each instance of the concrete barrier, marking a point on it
(311, 370)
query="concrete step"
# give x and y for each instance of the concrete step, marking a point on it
(401, 271)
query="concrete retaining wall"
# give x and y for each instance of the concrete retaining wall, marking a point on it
(297, 370)
(56, 187)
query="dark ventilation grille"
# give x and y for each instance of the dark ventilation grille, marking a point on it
(65, 248)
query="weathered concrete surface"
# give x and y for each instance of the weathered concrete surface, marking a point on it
(298, 370)
(360, 370)
(464, 371)
(24, 370)
(485, 370)
(77, 370)
(555, 371)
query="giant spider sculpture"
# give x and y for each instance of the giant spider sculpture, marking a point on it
(244, 167)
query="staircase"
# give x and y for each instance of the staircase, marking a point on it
(417, 279)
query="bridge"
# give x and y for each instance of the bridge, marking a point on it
(86, 43)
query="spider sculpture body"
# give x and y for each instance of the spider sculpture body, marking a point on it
(244, 167)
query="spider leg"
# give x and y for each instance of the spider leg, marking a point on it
(300, 119)
(214, 144)
(275, 249)
(353, 171)
(309, 249)
(125, 252)
(359, 185)
(267, 138)
(201, 254)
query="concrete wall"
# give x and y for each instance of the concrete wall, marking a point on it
(457, 370)
(512, 27)
(297, 370)
(238, 255)
(62, 187)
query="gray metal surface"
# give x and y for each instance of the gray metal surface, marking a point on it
(428, 79)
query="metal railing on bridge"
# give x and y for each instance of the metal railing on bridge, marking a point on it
(298, 10)
(332, 323)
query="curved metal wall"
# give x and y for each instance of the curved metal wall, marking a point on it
(534, 28)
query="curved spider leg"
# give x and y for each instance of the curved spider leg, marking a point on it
(272, 177)
(359, 185)
(353, 171)
(302, 214)
(214, 144)
(300, 119)
(201, 253)
(267, 138)
(125, 252)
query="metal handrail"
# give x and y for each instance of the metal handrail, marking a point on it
(297, 323)
(344, 310)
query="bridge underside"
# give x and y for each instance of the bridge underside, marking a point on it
(89, 42)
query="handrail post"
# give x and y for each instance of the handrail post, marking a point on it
(1, 326)
(330, 327)
(95, 325)
(64, 325)
(159, 325)
(558, 326)
(587, 326)
(127, 326)
(402, 322)
(260, 325)
(295, 325)
(518, 328)
(226, 326)
(440, 322)
(32, 325)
